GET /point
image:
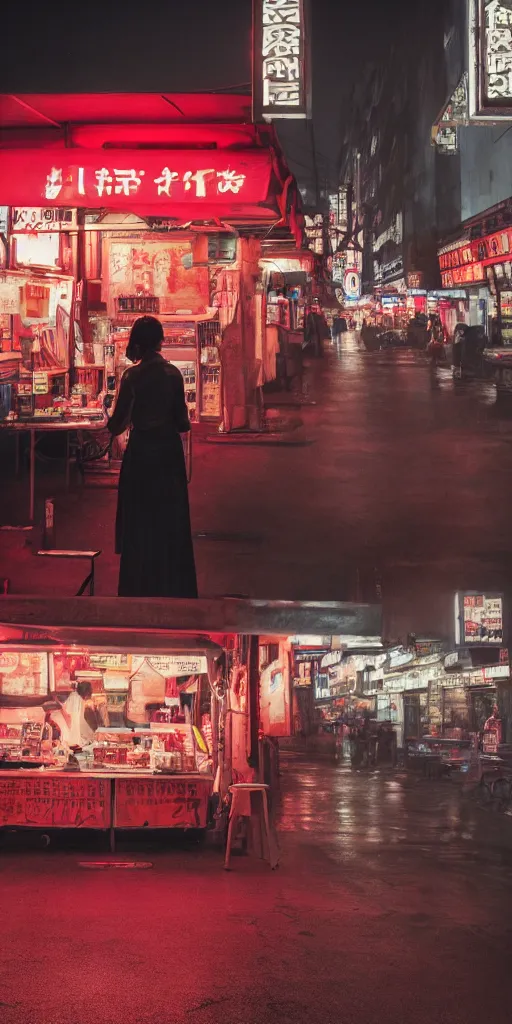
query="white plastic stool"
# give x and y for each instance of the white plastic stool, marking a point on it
(241, 794)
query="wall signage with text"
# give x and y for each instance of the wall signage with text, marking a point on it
(281, 59)
(490, 59)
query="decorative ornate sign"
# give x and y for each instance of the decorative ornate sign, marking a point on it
(490, 64)
(281, 61)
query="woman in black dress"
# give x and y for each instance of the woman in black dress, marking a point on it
(153, 534)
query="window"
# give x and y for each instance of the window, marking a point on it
(222, 246)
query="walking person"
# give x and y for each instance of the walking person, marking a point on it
(339, 326)
(153, 533)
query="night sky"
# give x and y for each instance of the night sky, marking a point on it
(189, 46)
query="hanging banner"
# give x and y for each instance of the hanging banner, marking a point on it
(281, 60)
(490, 60)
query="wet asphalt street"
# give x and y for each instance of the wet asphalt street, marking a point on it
(393, 902)
(395, 472)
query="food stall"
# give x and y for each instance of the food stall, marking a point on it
(109, 720)
(107, 737)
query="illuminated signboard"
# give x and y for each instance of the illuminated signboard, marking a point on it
(494, 246)
(472, 274)
(460, 256)
(467, 263)
(127, 178)
(281, 64)
(314, 230)
(478, 619)
(490, 59)
(352, 283)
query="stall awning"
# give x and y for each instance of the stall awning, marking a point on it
(31, 110)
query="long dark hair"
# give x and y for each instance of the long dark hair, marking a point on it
(146, 336)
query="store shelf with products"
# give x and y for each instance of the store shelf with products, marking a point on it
(191, 343)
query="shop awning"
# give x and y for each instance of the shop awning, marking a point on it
(187, 157)
(29, 110)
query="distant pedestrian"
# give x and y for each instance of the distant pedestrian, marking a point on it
(339, 326)
(153, 534)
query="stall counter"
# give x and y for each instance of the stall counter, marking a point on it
(56, 798)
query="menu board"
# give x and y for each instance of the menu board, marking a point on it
(54, 802)
(23, 673)
(161, 803)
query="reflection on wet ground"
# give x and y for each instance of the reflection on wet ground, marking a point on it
(346, 814)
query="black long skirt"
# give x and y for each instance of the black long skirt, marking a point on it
(153, 534)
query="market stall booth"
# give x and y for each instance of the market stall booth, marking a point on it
(110, 720)
(107, 737)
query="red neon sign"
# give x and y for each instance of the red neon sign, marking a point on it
(471, 274)
(494, 247)
(131, 177)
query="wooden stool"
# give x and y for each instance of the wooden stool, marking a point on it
(241, 794)
(92, 555)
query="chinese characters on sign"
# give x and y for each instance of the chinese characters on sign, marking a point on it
(55, 802)
(466, 263)
(490, 64)
(498, 51)
(161, 803)
(280, 59)
(66, 179)
(127, 182)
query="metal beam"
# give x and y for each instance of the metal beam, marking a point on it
(94, 615)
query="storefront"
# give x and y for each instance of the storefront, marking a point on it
(461, 268)
(480, 262)
(287, 290)
(112, 214)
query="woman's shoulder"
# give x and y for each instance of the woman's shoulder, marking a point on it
(130, 374)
